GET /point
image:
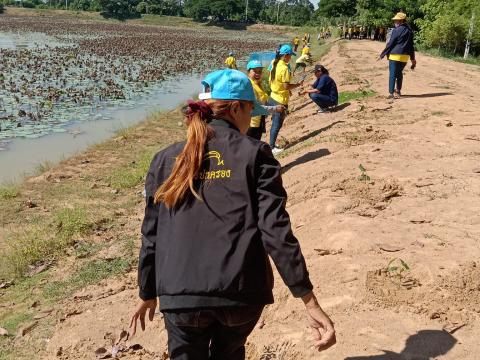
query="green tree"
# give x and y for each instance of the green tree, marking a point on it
(198, 10)
(446, 24)
(2, 8)
(119, 9)
(336, 8)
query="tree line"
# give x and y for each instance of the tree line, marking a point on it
(445, 25)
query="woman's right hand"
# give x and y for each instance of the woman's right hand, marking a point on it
(280, 108)
(321, 325)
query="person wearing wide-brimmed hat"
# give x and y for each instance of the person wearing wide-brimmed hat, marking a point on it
(399, 50)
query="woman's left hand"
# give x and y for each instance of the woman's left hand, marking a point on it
(140, 311)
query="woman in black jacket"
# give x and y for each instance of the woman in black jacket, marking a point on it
(215, 210)
(399, 50)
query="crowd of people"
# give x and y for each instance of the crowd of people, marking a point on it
(363, 32)
(281, 86)
(215, 210)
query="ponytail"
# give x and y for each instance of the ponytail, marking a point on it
(274, 66)
(189, 161)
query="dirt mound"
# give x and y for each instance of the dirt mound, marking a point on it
(454, 299)
(366, 196)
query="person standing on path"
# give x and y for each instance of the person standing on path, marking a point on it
(399, 50)
(296, 41)
(207, 258)
(280, 77)
(257, 123)
(231, 62)
(324, 91)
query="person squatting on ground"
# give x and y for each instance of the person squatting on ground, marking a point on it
(280, 77)
(230, 61)
(323, 91)
(257, 123)
(399, 50)
(206, 258)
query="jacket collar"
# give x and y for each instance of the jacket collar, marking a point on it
(223, 123)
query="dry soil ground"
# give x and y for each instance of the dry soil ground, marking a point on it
(420, 204)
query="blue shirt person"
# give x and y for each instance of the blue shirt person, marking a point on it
(324, 91)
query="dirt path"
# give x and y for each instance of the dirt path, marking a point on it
(420, 205)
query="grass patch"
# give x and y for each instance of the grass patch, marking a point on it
(346, 96)
(13, 322)
(129, 176)
(438, 113)
(90, 273)
(43, 240)
(472, 60)
(43, 167)
(8, 192)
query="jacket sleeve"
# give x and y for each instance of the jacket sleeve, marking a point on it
(391, 44)
(274, 224)
(146, 262)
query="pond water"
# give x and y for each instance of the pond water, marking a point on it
(13, 41)
(20, 156)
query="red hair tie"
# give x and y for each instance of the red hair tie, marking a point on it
(198, 107)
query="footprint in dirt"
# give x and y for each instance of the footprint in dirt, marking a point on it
(424, 345)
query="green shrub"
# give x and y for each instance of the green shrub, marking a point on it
(28, 4)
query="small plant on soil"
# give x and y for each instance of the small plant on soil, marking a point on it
(397, 267)
(363, 176)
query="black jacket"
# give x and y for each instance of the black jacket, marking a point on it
(214, 252)
(401, 42)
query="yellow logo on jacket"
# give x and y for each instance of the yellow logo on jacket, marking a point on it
(214, 174)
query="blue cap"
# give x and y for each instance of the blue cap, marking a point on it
(254, 64)
(286, 49)
(231, 84)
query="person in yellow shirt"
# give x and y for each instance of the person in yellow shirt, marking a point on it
(302, 62)
(399, 50)
(257, 123)
(304, 39)
(296, 41)
(231, 62)
(306, 49)
(280, 77)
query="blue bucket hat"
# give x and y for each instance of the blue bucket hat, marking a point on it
(286, 49)
(231, 84)
(254, 64)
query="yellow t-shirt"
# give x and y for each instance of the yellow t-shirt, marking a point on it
(282, 75)
(397, 57)
(296, 41)
(305, 50)
(302, 59)
(231, 62)
(262, 98)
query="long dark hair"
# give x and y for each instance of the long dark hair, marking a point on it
(275, 63)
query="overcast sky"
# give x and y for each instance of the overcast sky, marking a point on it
(315, 2)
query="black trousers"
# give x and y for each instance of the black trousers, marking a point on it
(210, 334)
(256, 132)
